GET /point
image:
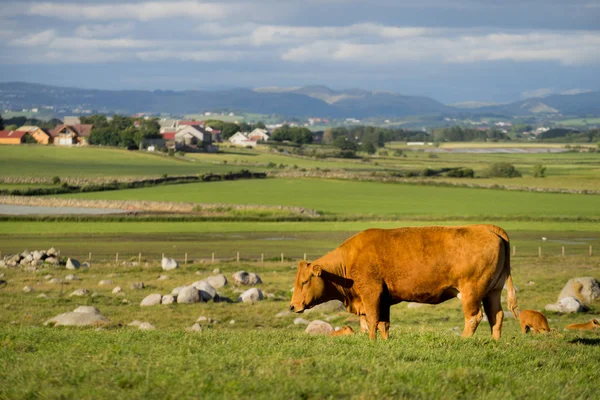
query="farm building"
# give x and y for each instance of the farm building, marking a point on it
(69, 135)
(241, 139)
(192, 137)
(13, 137)
(40, 135)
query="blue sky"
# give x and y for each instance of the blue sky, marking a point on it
(452, 51)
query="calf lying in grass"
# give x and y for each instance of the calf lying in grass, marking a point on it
(588, 326)
(345, 331)
(531, 319)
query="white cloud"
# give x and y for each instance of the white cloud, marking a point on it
(536, 93)
(145, 11)
(575, 91)
(103, 30)
(35, 39)
(199, 56)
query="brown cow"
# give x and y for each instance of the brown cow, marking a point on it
(588, 326)
(535, 320)
(378, 268)
(345, 331)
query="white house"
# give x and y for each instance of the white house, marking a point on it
(241, 139)
(192, 135)
(259, 134)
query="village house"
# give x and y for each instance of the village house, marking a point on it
(13, 137)
(192, 137)
(69, 135)
(40, 135)
(241, 139)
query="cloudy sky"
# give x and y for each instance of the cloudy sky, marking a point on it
(450, 50)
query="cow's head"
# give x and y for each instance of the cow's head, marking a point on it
(309, 287)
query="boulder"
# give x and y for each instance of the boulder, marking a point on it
(37, 255)
(80, 292)
(78, 319)
(217, 281)
(567, 305)
(87, 309)
(216, 271)
(146, 326)
(57, 281)
(327, 307)
(52, 252)
(206, 291)
(73, 264)
(168, 299)
(137, 285)
(585, 289)
(71, 277)
(106, 282)
(26, 259)
(195, 328)
(85, 264)
(151, 300)
(3, 264)
(42, 296)
(175, 292)
(52, 260)
(246, 278)
(28, 289)
(169, 264)
(251, 296)
(48, 277)
(162, 278)
(188, 295)
(134, 323)
(117, 289)
(318, 327)
(301, 321)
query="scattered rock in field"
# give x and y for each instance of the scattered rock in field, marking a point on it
(327, 307)
(52, 261)
(251, 296)
(57, 281)
(117, 289)
(232, 322)
(80, 292)
(134, 323)
(205, 290)
(52, 252)
(301, 321)
(246, 278)
(86, 264)
(168, 299)
(151, 300)
(87, 309)
(78, 318)
(195, 328)
(28, 289)
(586, 290)
(38, 255)
(567, 305)
(73, 264)
(146, 326)
(106, 282)
(217, 281)
(3, 264)
(216, 271)
(125, 301)
(42, 296)
(530, 283)
(188, 295)
(71, 277)
(169, 264)
(204, 319)
(175, 292)
(318, 327)
(162, 278)
(284, 313)
(137, 285)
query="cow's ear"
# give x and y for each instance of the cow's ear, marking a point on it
(303, 264)
(317, 270)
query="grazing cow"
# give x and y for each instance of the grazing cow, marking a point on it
(588, 326)
(378, 268)
(535, 320)
(345, 331)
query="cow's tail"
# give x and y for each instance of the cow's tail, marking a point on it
(511, 298)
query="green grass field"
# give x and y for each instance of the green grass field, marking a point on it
(264, 356)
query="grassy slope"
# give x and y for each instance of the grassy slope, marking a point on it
(351, 197)
(263, 356)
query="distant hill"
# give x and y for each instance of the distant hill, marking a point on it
(315, 101)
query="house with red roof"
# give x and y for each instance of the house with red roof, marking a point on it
(13, 137)
(69, 135)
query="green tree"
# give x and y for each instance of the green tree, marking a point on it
(244, 127)
(104, 136)
(539, 171)
(344, 143)
(502, 170)
(127, 138)
(369, 147)
(260, 125)
(98, 120)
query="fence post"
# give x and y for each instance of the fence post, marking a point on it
(140, 259)
(117, 258)
(591, 250)
(514, 250)
(563, 251)
(262, 258)
(238, 256)
(90, 257)
(213, 257)
(281, 257)
(185, 259)
(304, 256)
(539, 251)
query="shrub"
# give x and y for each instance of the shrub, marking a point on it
(398, 153)
(171, 152)
(56, 180)
(461, 173)
(427, 172)
(539, 171)
(502, 170)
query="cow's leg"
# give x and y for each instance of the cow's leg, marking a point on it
(384, 320)
(473, 314)
(524, 328)
(371, 305)
(364, 327)
(493, 310)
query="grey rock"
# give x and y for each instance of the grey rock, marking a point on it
(318, 327)
(37, 255)
(169, 264)
(168, 299)
(284, 313)
(232, 322)
(85, 264)
(3, 264)
(188, 295)
(137, 285)
(246, 278)
(27, 259)
(301, 321)
(204, 319)
(175, 292)
(78, 319)
(151, 300)
(28, 289)
(146, 326)
(52, 252)
(48, 277)
(217, 281)
(162, 278)
(206, 291)
(251, 296)
(87, 309)
(57, 281)
(42, 296)
(584, 289)
(195, 328)
(72, 264)
(80, 292)
(134, 323)
(52, 261)
(117, 289)
(327, 307)
(71, 277)
(106, 282)
(216, 271)
(567, 305)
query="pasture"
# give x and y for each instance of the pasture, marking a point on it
(262, 355)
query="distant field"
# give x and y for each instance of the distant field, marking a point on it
(370, 198)
(579, 122)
